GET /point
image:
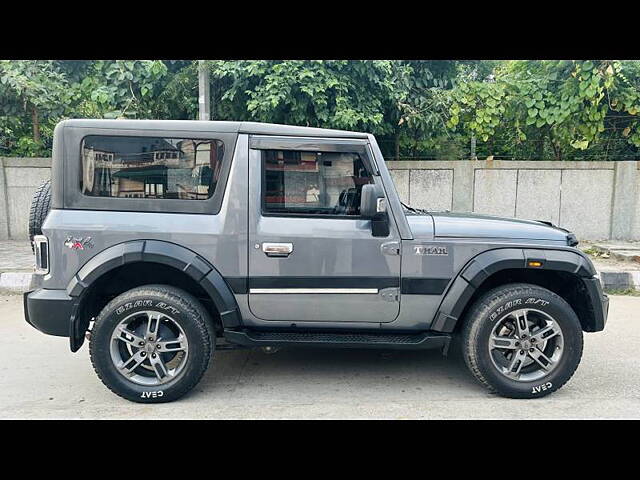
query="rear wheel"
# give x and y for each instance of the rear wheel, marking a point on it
(152, 344)
(522, 341)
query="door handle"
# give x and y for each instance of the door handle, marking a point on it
(277, 249)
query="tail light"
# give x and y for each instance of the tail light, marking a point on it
(41, 250)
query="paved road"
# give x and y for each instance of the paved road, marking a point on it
(16, 256)
(40, 378)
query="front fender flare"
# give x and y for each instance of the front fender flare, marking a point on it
(154, 251)
(485, 264)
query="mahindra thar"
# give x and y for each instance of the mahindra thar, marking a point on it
(162, 241)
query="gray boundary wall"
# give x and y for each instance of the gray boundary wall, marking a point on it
(19, 179)
(596, 200)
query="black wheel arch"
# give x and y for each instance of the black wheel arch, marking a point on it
(559, 271)
(150, 252)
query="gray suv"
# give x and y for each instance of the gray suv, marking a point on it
(167, 240)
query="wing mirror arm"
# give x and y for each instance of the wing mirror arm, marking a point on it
(373, 206)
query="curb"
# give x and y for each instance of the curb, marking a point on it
(620, 280)
(20, 282)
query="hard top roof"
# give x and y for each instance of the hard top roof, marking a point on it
(213, 126)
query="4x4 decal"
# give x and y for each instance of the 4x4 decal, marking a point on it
(75, 243)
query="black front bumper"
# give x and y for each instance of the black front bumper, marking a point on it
(49, 311)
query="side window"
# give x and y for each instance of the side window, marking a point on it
(150, 167)
(312, 183)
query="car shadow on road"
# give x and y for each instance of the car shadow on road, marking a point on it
(298, 368)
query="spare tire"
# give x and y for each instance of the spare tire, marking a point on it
(39, 208)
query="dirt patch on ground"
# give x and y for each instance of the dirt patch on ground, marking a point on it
(607, 263)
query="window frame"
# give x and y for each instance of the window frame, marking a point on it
(74, 198)
(327, 145)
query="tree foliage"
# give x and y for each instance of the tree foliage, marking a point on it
(570, 105)
(584, 109)
(335, 94)
(35, 95)
(30, 91)
(393, 99)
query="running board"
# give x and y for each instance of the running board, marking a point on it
(255, 338)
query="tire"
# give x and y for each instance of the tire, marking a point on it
(182, 318)
(500, 365)
(40, 205)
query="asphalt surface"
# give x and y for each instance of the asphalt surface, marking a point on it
(41, 378)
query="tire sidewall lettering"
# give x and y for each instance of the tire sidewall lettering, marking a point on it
(146, 303)
(152, 394)
(541, 388)
(515, 304)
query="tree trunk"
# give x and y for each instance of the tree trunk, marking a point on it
(557, 151)
(397, 146)
(540, 152)
(36, 124)
(416, 139)
(204, 107)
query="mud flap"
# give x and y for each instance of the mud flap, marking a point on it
(78, 325)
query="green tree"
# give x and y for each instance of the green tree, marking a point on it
(417, 109)
(567, 105)
(419, 104)
(400, 101)
(35, 95)
(331, 94)
(35, 89)
(121, 88)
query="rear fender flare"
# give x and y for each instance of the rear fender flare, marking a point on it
(154, 251)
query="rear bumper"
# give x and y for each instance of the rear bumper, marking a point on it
(49, 311)
(599, 302)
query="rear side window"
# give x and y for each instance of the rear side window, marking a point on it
(150, 167)
(312, 183)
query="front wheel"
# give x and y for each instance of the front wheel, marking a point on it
(152, 344)
(522, 341)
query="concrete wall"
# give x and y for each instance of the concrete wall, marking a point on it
(596, 200)
(19, 179)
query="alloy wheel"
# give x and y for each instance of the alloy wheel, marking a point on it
(149, 348)
(526, 345)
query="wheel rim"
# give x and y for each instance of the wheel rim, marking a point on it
(149, 348)
(526, 345)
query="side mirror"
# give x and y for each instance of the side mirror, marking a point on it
(373, 206)
(372, 201)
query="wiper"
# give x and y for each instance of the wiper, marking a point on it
(414, 210)
(411, 209)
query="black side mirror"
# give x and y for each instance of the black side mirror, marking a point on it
(373, 205)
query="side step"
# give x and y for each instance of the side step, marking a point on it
(255, 338)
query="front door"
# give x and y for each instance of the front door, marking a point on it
(312, 258)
